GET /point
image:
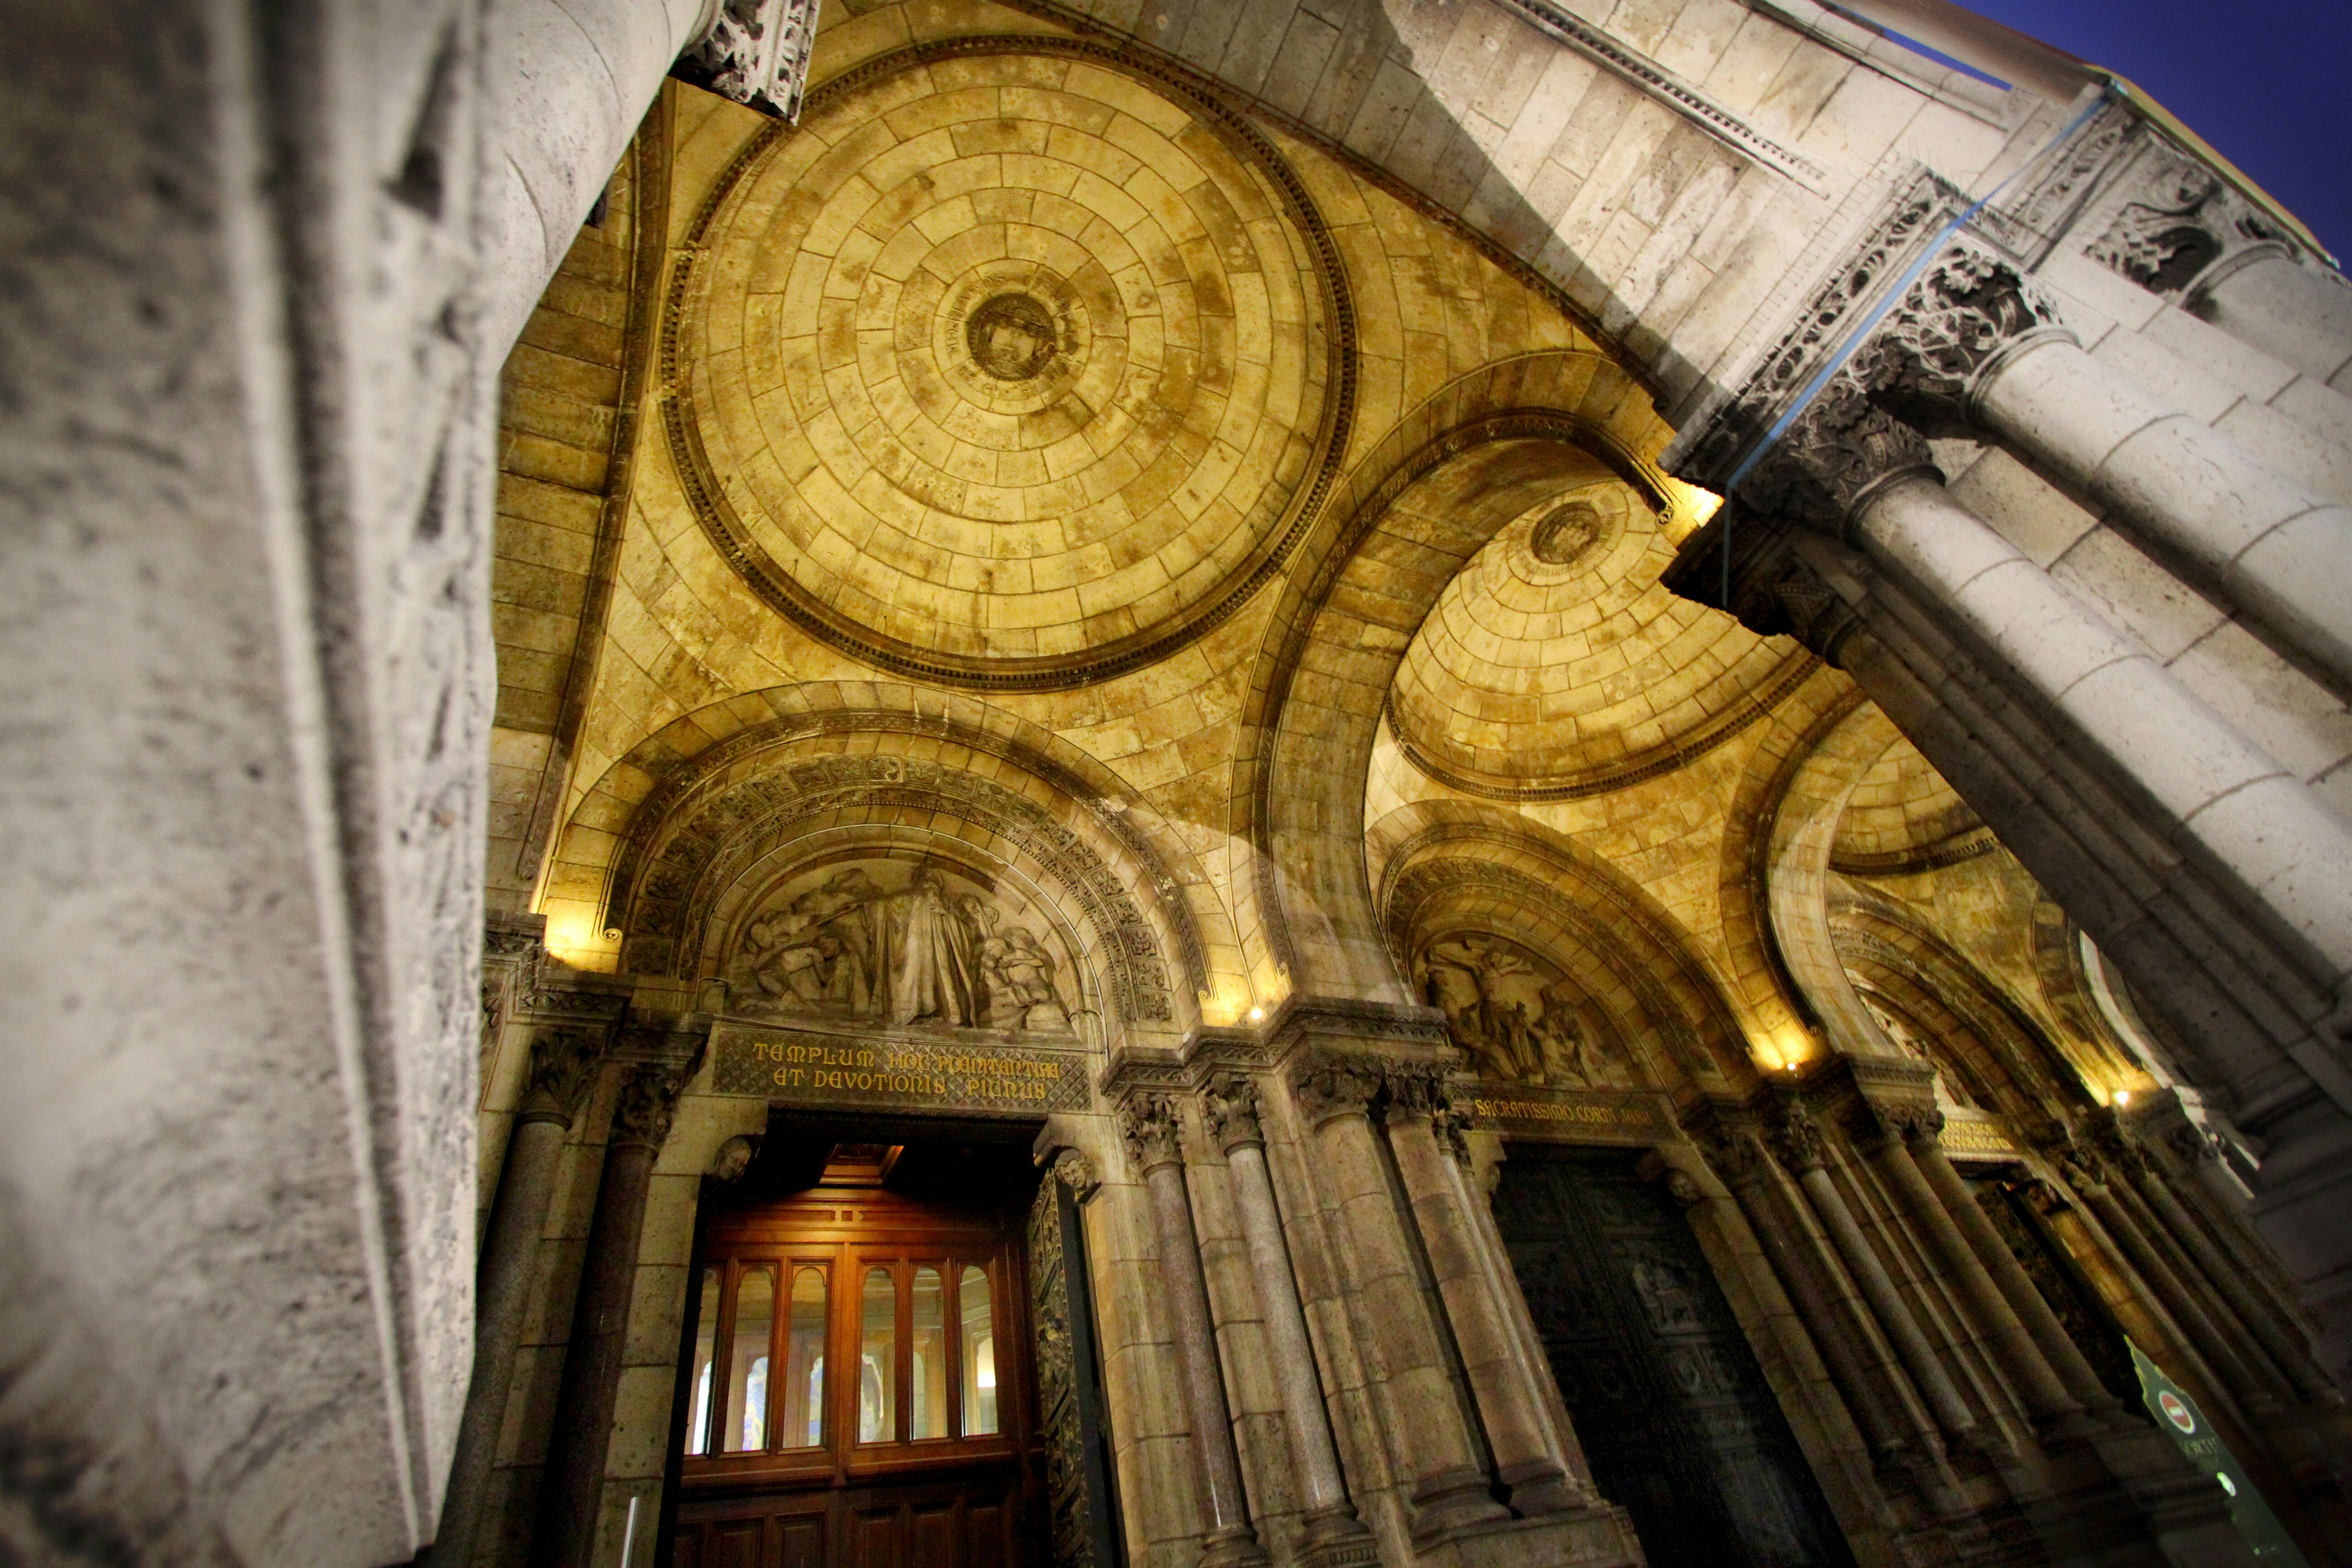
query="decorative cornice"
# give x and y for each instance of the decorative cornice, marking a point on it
(1153, 1130)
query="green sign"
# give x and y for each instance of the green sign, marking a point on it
(2178, 1418)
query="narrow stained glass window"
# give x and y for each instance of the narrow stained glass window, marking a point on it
(801, 1425)
(979, 1353)
(746, 1430)
(927, 1397)
(706, 1347)
(877, 1365)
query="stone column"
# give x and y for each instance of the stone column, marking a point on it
(2025, 1299)
(1230, 1107)
(1738, 1156)
(1524, 1462)
(1150, 1122)
(1797, 1143)
(562, 1064)
(572, 1485)
(1976, 348)
(2045, 1397)
(1335, 1095)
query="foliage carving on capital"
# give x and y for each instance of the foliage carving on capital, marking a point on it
(1796, 1139)
(649, 1104)
(1920, 1125)
(562, 1063)
(1229, 1106)
(1844, 449)
(2178, 219)
(1736, 1154)
(1953, 329)
(1153, 1130)
(754, 53)
(1328, 1086)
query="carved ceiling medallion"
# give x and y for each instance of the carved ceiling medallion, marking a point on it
(1013, 367)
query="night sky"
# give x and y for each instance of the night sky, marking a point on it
(2266, 81)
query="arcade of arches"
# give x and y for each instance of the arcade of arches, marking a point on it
(1195, 858)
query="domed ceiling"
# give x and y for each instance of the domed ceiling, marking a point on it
(1556, 665)
(1007, 369)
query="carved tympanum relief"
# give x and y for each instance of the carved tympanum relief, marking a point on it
(904, 944)
(1511, 1012)
(1906, 1039)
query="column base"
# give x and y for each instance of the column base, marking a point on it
(1595, 1536)
(1453, 1499)
(1543, 1488)
(1335, 1538)
(1234, 1547)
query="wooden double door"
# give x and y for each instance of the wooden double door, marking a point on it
(857, 1389)
(1673, 1411)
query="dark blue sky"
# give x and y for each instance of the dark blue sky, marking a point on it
(2266, 81)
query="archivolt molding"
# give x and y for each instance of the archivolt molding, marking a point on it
(1579, 402)
(1435, 854)
(1988, 1044)
(713, 508)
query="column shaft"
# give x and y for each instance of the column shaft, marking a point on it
(2293, 1359)
(1150, 1124)
(2033, 1309)
(2289, 856)
(2206, 1341)
(1286, 1325)
(518, 1218)
(571, 1486)
(2231, 524)
(1887, 1303)
(1449, 1483)
(2045, 1398)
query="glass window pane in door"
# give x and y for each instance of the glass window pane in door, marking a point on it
(747, 1373)
(801, 1425)
(979, 1353)
(878, 1361)
(927, 1343)
(706, 1350)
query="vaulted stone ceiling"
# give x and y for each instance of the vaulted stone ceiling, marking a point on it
(1009, 367)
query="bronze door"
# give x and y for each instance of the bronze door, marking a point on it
(1673, 1413)
(858, 1393)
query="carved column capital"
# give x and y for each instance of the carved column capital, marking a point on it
(562, 1061)
(1970, 313)
(1844, 449)
(649, 1104)
(754, 53)
(1921, 1126)
(2177, 220)
(1229, 1106)
(1153, 1130)
(1328, 1086)
(1796, 1139)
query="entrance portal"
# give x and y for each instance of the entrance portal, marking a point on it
(1673, 1413)
(859, 1391)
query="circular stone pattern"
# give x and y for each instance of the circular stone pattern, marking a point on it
(1004, 367)
(1555, 664)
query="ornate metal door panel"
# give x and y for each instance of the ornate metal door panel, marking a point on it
(1072, 1412)
(1673, 1411)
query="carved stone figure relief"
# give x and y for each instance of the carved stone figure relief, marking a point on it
(905, 945)
(1511, 1012)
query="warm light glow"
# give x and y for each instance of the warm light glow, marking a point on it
(2122, 1098)
(1692, 508)
(1257, 1014)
